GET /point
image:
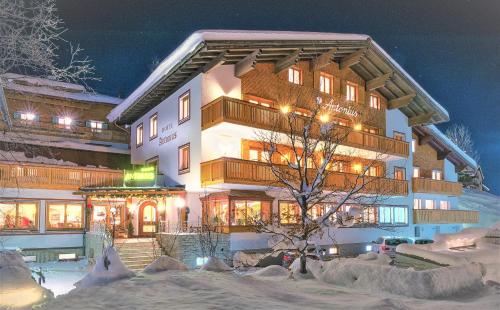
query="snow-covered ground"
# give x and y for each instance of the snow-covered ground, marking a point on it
(487, 204)
(60, 277)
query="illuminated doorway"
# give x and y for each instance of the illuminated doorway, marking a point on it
(148, 215)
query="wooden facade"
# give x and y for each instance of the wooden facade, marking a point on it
(238, 171)
(433, 216)
(430, 186)
(225, 109)
(39, 176)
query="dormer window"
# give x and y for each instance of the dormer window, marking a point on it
(295, 75)
(96, 126)
(26, 116)
(326, 83)
(351, 92)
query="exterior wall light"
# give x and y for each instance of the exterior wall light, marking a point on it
(357, 167)
(334, 250)
(180, 202)
(285, 109)
(358, 127)
(324, 118)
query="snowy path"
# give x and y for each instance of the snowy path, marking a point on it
(209, 290)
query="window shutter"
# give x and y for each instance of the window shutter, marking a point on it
(17, 115)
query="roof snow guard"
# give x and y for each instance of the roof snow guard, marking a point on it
(445, 147)
(205, 49)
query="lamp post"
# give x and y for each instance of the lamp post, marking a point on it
(113, 213)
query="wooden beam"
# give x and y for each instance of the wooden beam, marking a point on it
(459, 168)
(352, 59)
(246, 64)
(323, 60)
(442, 155)
(400, 102)
(287, 62)
(424, 140)
(219, 59)
(421, 119)
(378, 81)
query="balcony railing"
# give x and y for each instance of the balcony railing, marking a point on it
(40, 176)
(225, 109)
(430, 186)
(432, 216)
(238, 171)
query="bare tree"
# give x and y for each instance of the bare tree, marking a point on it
(462, 137)
(303, 153)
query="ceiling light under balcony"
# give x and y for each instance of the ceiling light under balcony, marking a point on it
(285, 109)
(357, 167)
(358, 127)
(324, 118)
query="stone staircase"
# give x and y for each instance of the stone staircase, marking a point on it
(137, 253)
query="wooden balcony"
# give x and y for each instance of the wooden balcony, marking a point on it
(225, 109)
(433, 216)
(238, 171)
(40, 176)
(430, 186)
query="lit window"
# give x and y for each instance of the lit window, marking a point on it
(375, 102)
(63, 121)
(429, 204)
(373, 171)
(289, 213)
(260, 101)
(65, 216)
(184, 158)
(295, 75)
(153, 126)
(444, 205)
(417, 204)
(18, 216)
(351, 92)
(184, 107)
(399, 173)
(26, 116)
(371, 130)
(254, 154)
(96, 126)
(413, 145)
(139, 131)
(400, 215)
(437, 174)
(416, 172)
(326, 83)
(247, 212)
(399, 136)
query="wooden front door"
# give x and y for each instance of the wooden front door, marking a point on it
(148, 217)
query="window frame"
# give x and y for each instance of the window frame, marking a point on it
(65, 202)
(141, 126)
(186, 117)
(356, 90)
(187, 169)
(436, 172)
(378, 104)
(37, 215)
(396, 168)
(400, 134)
(295, 69)
(154, 116)
(324, 75)
(419, 175)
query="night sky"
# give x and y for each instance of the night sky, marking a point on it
(451, 48)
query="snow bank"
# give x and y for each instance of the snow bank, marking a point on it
(108, 268)
(215, 264)
(271, 271)
(375, 277)
(17, 287)
(242, 259)
(164, 263)
(314, 269)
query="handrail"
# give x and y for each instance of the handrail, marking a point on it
(437, 216)
(423, 185)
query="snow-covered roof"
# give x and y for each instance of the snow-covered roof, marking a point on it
(129, 109)
(47, 87)
(438, 134)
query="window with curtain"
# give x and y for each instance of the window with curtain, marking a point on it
(19, 215)
(64, 215)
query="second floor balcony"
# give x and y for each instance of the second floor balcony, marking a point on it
(430, 186)
(436, 216)
(42, 176)
(225, 109)
(239, 171)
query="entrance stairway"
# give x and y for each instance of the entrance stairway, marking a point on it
(137, 253)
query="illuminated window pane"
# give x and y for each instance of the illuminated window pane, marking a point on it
(139, 131)
(65, 216)
(375, 102)
(7, 216)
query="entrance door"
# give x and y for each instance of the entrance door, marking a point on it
(147, 219)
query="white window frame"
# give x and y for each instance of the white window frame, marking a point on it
(351, 92)
(139, 135)
(374, 102)
(295, 75)
(326, 83)
(153, 126)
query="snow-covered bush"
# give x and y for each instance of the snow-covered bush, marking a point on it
(108, 268)
(164, 263)
(17, 287)
(215, 264)
(271, 271)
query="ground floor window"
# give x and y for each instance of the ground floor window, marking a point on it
(64, 215)
(389, 215)
(247, 212)
(18, 215)
(102, 212)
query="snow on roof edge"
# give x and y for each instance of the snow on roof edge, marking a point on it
(441, 136)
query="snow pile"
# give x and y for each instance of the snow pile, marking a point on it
(374, 258)
(242, 259)
(21, 157)
(164, 263)
(271, 271)
(17, 287)
(377, 277)
(108, 268)
(314, 269)
(215, 264)
(486, 203)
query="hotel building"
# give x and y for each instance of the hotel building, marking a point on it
(195, 119)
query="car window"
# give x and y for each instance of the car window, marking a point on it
(379, 241)
(395, 242)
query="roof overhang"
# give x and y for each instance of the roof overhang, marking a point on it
(207, 48)
(445, 147)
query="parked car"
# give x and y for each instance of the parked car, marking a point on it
(387, 245)
(424, 241)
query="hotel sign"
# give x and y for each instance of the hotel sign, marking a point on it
(337, 108)
(144, 176)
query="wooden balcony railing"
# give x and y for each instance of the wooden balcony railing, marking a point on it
(432, 216)
(225, 109)
(40, 176)
(430, 186)
(238, 171)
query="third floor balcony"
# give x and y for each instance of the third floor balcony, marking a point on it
(430, 186)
